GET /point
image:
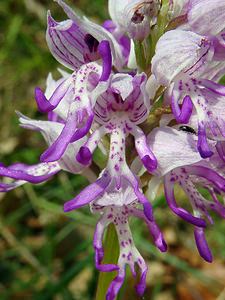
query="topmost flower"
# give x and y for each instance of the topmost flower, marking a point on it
(134, 16)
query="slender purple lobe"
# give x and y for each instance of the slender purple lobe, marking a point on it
(213, 86)
(143, 200)
(84, 156)
(220, 147)
(141, 286)
(208, 174)
(169, 194)
(81, 132)
(115, 286)
(103, 267)
(183, 113)
(24, 172)
(202, 245)
(89, 194)
(149, 162)
(203, 146)
(45, 105)
(57, 149)
(105, 52)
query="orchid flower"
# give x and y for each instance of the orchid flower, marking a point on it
(134, 16)
(181, 164)
(116, 207)
(180, 62)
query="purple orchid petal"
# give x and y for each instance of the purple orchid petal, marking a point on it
(141, 286)
(33, 174)
(179, 51)
(220, 147)
(97, 244)
(216, 206)
(105, 52)
(124, 41)
(213, 86)
(169, 194)
(203, 146)
(154, 230)
(147, 157)
(58, 148)
(45, 105)
(147, 207)
(115, 286)
(206, 16)
(184, 113)
(81, 132)
(202, 245)
(98, 32)
(99, 254)
(208, 174)
(84, 156)
(176, 141)
(89, 194)
(85, 153)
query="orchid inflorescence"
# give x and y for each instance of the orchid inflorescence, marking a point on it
(147, 78)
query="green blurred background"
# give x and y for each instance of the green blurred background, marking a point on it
(45, 254)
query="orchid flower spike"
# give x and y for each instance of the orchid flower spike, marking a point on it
(150, 99)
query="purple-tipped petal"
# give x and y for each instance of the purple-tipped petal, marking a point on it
(89, 194)
(57, 149)
(203, 146)
(23, 173)
(45, 105)
(85, 153)
(202, 245)
(220, 147)
(81, 132)
(97, 244)
(208, 174)
(157, 236)
(105, 52)
(147, 207)
(149, 163)
(84, 156)
(103, 267)
(147, 157)
(183, 113)
(115, 286)
(169, 194)
(213, 86)
(141, 286)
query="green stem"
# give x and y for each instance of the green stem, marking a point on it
(111, 252)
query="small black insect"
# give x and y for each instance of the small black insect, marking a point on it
(187, 129)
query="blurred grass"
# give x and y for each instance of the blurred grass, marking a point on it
(44, 253)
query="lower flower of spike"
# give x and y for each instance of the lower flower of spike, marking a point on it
(190, 178)
(129, 255)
